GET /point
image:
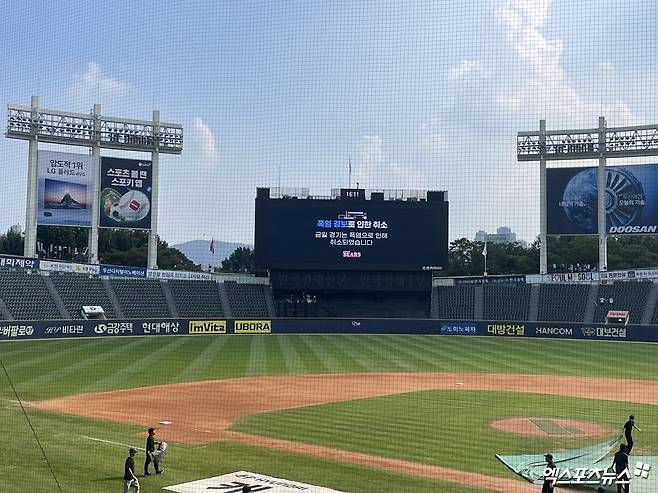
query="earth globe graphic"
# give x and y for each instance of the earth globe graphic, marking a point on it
(624, 199)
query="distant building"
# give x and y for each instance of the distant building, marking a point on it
(502, 235)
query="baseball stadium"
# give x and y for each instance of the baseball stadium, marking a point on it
(384, 247)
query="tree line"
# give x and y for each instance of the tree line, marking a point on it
(565, 253)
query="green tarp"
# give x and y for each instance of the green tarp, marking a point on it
(599, 457)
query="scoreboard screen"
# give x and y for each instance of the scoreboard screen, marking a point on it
(351, 234)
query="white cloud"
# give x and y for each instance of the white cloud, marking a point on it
(371, 157)
(536, 83)
(203, 142)
(465, 69)
(93, 87)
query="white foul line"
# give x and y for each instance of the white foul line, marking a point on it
(111, 442)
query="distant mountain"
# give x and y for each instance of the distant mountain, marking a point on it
(198, 251)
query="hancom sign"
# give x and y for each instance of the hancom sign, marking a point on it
(631, 195)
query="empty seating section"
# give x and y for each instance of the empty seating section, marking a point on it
(507, 302)
(141, 298)
(26, 296)
(77, 290)
(247, 300)
(563, 302)
(631, 296)
(196, 298)
(456, 303)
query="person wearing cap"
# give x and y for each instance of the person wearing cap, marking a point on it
(150, 448)
(130, 480)
(550, 475)
(628, 430)
(620, 465)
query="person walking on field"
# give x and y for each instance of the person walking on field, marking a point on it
(628, 430)
(150, 448)
(550, 473)
(130, 480)
(620, 465)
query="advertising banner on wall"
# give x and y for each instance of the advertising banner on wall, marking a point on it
(125, 197)
(64, 188)
(631, 200)
(19, 262)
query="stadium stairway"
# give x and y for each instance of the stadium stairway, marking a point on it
(478, 303)
(223, 298)
(651, 307)
(63, 311)
(269, 300)
(5, 314)
(434, 303)
(533, 313)
(171, 304)
(113, 298)
(590, 306)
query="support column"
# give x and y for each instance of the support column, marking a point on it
(601, 182)
(152, 262)
(95, 190)
(543, 222)
(30, 241)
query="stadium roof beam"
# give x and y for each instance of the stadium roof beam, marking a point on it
(594, 143)
(95, 131)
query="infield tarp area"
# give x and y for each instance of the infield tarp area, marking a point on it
(587, 460)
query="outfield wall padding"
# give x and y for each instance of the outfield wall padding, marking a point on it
(60, 329)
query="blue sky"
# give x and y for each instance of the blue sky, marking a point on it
(420, 95)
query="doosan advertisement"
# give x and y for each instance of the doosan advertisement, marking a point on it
(631, 200)
(64, 189)
(125, 198)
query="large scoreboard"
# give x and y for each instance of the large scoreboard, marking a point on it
(351, 233)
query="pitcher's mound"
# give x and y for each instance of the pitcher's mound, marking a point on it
(559, 428)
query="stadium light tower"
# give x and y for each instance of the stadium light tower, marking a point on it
(95, 131)
(596, 143)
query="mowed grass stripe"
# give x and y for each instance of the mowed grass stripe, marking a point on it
(422, 358)
(197, 367)
(144, 363)
(353, 359)
(350, 357)
(371, 348)
(432, 354)
(257, 362)
(294, 363)
(326, 362)
(62, 351)
(88, 359)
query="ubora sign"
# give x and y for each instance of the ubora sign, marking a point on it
(252, 327)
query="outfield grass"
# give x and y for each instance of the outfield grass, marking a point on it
(46, 369)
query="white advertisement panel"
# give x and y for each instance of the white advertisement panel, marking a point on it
(65, 183)
(235, 482)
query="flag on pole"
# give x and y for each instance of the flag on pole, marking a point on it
(212, 246)
(484, 250)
